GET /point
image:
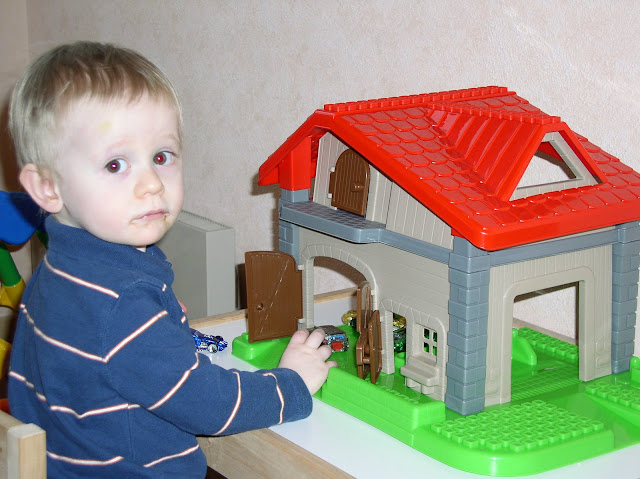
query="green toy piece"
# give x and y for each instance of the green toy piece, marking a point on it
(11, 283)
(553, 418)
(8, 271)
(635, 371)
(522, 350)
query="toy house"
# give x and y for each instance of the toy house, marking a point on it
(430, 198)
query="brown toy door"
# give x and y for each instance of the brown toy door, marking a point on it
(274, 295)
(349, 183)
(369, 344)
(375, 341)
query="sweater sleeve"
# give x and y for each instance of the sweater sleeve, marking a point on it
(152, 363)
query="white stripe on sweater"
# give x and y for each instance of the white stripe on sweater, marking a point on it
(81, 282)
(235, 408)
(280, 395)
(95, 357)
(178, 385)
(173, 456)
(85, 462)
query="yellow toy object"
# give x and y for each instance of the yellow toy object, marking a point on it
(10, 295)
(5, 350)
(349, 316)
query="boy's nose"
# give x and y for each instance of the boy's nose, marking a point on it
(149, 183)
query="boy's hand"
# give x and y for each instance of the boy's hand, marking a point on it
(308, 358)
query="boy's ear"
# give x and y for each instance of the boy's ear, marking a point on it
(41, 187)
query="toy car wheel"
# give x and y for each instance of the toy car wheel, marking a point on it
(212, 348)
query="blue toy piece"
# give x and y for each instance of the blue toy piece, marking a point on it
(20, 217)
(208, 342)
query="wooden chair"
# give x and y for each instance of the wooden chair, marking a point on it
(23, 449)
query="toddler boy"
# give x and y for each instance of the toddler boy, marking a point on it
(103, 358)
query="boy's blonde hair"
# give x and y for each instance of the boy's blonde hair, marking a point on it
(69, 73)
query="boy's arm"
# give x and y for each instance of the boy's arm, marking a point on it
(155, 366)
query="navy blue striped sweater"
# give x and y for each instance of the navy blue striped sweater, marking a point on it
(103, 360)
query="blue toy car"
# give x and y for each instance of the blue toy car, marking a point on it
(207, 342)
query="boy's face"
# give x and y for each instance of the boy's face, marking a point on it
(119, 169)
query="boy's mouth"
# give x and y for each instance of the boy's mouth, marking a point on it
(152, 215)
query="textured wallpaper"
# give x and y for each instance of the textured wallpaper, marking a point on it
(250, 72)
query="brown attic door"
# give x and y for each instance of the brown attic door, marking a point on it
(274, 295)
(349, 183)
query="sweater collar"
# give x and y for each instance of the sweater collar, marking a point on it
(80, 244)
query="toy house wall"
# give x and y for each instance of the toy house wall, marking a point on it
(591, 268)
(388, 203)
(403, 283)
(329, 149)
(409, 217)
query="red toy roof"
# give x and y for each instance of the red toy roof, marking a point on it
(461, 154)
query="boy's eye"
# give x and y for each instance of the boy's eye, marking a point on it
(163, 158)
(116, 166)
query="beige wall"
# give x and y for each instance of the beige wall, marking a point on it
(13, 58)
(251, 71)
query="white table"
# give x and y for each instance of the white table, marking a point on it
(354, 446)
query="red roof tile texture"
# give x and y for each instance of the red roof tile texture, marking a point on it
(461, 154)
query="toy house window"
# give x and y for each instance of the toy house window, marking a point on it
(422, 344)
(430, 342)
(349, 183)
(554, 167)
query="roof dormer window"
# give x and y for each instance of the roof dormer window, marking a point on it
(554, 167)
